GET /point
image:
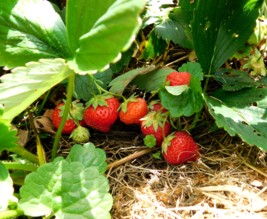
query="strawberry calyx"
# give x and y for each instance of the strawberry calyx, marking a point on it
(124, 104)
(98, 100)
(167, 142)
(75, 112)
(155, 119)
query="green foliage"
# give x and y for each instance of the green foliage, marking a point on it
(6, 188)
(26, 84)
(118, 84)
(111, 29)
(8, 138)
(85, 86)
(28, 34)
(184, 100)
(74, 187)
(241, 113)
(155, 46)
(233, 80)
(218, 29)
(153, 80)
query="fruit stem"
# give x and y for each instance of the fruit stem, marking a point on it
(102, 90)
(70, 89)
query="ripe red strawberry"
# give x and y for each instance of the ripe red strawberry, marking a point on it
(156, 106)
(75, 116)
(178, 78)
(179, 147)
(156, 123)
(132, 110)
(102, 112)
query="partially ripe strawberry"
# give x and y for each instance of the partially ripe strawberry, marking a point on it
(132, 110)
(155, 105)
(102, 112)
(178, 78)
(157, 124)
(179, 147)
(74, 117)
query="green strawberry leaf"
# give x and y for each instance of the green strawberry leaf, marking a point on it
(85, 87)
(26, 84)
(218, 29)
(241, 113)
(155, 46)
(177, 27)
(176, 90)
(186, 104)
(6, 188)
(118, 84)
(88, 155)
(8, 137)
(106, 30)
(233, 80)
(70, 188)
(27, 34)
(153, 80)
(186, 100)
(150, 141)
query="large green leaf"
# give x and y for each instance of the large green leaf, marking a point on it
(220, 28)
(111, 31)
(85, 87)
(26, 84)
(119, 83)
(68, 189)
(153, 80)
(8, 137)
(233, 80)
(184, 100)
(88, 155)
(30, 30)
(6, 188)
(241, 113)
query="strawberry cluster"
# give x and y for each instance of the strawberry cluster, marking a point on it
(103, 110)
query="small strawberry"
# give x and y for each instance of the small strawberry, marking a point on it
(179, 147)
(75, 116)
(132, 110)
(80, 135)
(155, 105)
(178, 78)
(101, 112)
(156, 123)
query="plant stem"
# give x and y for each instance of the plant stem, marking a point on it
(11, 213)
(130, 157)
(20, 166)
(70, 89)
(24, 153)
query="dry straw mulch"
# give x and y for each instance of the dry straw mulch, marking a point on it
(228, 181)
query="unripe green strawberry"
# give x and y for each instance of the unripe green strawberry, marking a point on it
(102, 112)
(74, 117)
(157, 124)
(179, 147)
(80, 135)
(178, 78)
(132, 110)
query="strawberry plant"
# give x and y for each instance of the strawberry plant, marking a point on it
(42, 51)
(84, 48)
